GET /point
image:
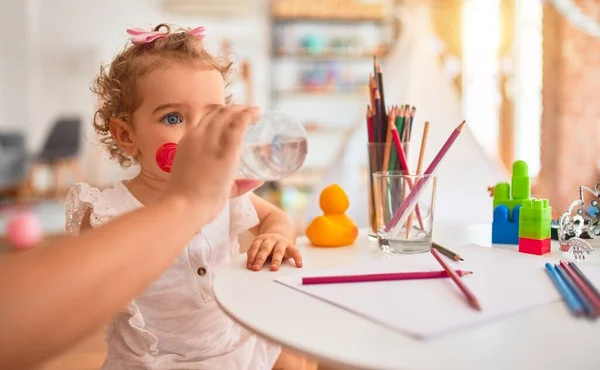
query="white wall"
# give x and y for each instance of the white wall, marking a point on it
(13, 64)
(51, 51)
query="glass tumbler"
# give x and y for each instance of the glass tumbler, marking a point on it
(409, 231)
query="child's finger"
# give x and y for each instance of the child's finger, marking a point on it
(252, 252)
(263, 253)
(293, 252)
(278, 254)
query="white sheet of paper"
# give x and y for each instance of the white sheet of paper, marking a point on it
(504, 281)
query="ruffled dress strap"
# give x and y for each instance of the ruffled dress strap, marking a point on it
(82, 198)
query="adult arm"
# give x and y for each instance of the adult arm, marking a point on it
(54, 295)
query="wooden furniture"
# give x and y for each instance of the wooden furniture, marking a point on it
(60, 154)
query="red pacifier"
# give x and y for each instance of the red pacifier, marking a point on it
(165, 156)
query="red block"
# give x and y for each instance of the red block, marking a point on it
(534, 246)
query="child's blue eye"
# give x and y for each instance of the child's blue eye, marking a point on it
(171, 119)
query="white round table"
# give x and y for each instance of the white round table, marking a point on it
(545, 338)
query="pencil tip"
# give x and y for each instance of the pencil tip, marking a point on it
(467, 273)
(459, 128)
(462, 259)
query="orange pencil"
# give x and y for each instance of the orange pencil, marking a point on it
(419, 167)
(372, 88)
(470, 296)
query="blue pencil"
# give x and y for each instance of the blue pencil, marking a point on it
(588, 308)
(564, 290)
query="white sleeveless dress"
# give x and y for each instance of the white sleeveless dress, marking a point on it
(176, 323)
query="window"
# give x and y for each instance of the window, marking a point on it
(481, 96)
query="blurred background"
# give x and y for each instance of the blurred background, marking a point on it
(522, 73)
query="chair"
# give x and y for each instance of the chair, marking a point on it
(14, 161)
(61, 154)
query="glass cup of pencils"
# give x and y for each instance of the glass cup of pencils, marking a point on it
(402, 229)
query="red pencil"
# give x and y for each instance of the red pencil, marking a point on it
(470, 296)
(380, 277)
(401, 213)
(404, 166)
(587, 292)
(370, 124)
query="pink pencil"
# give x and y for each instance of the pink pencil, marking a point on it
(404, 165)
(409, 203)
(380, 277)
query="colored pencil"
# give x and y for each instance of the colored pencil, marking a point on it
(372, 90)
(411, 201)
(587, 296)
(380, 277)
(584, 279)
(400, 120)
(423, 145)
(398, 124)
(470, 296)
(407, 119)
(370, 124)
(447, 252)
(388, 142)
(588, 307)
(570, 299)
(412, 119)
(378, 123)
(380, 86)
(404, 166)
(419, 168)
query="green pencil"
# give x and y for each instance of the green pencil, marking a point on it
(399, 125)
(447, 252)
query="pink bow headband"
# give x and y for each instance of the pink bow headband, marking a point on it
(140, 36)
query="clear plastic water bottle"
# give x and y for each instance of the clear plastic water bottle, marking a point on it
(274, 147)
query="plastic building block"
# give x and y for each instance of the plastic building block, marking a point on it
(509, 200)
(534, 246)
(505, 230)
(502, 197)
(521, 184)
(535, 219)
(512, 195)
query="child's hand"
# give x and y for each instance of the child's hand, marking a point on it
(275, 246)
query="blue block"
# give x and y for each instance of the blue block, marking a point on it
(505, 230)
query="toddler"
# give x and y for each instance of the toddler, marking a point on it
(159, 86)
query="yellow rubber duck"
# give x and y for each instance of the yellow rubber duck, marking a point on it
(334, 228)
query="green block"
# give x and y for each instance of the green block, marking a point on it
(502, 197)
(510, 203)
(535, 219)
(536, 210)
(502, 191)
(535, 231)
(521, 184)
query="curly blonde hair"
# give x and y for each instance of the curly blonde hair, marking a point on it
(115, 86)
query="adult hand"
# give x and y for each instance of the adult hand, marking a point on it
(207, 159)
